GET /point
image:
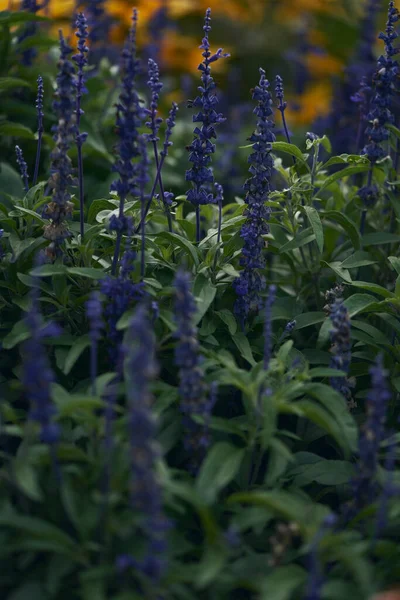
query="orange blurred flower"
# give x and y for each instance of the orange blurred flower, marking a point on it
(315, 102)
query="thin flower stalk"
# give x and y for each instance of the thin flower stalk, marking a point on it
(170, 122)
(153, 124)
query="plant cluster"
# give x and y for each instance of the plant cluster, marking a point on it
(199, 388)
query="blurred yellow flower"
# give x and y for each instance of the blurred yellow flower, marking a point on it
(313, 103)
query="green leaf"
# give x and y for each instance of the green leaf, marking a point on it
(211, 565)
(324, 472)
(218, 469)
(338, 269)
(358, 259)
(395, 262)
(26, 478)
(301, 239)
(79, 346)
(30, 590)
(18, 334)
(204, 292)
(346, 172)
(283, 582)
(299, 509)
(316, 225)
(309, 318)
(16, 130)
(244, 348)
(348, 225)
(182, 243)
(375, 239)
(49, 270)
(89, 272)
(344, 430)
(290, 149)
(358, 303)
(9, 83)
(96, 206)
(50, 537)
(13, 18)
(373, 287)
(32, 213)
(227, 317)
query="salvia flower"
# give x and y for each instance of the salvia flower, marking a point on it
(288, 330)
(155, 86)
(364, 485)
(282, 105)
(40, 115)
(341, 346)
(202, 148)
(121, 292)
(250, 283)
(61, 207)
(170, 124)
(146, 494)
(192, 387)
(23, 167)
(100, 24)
(37, 374)
(268, 326)
(384, 82)
(129, 118)
(94, 313)
(81, 61)
(30, 29)
(316, 575)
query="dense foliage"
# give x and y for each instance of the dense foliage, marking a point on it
(199, 386)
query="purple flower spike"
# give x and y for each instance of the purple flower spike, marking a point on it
(195, 399)
(38, 376)
(40, 115)
(81, 61)
(282, 105)
(316, 576)
(373, 432)
(250, 283)
(61, 178)
(23, 167)
(385, 81)
(94, 311)
(341, 346)
(121, 292)
(30, 29)
(202, 148)
(146, 494)
(130, 115)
